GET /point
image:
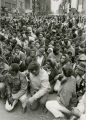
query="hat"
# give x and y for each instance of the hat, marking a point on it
(82, 57)
(50, 49)
(82, 66)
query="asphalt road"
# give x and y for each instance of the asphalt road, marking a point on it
(17, 114)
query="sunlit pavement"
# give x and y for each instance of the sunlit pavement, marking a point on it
(17, 114)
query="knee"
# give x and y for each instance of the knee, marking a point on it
(2, 86)
(48, 104)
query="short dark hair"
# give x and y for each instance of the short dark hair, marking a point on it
(67, 70)
(15, 67)
(33, 66)
(55, 50)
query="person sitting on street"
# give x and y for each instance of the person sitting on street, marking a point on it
(66, 95)
(16, 87)
(39, 86)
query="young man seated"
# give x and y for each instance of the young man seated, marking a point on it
(66, 98)
(16, 87)
(39, 86)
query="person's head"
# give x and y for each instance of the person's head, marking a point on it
(16, 59)
(17, 49)
(50, 50)
(34, 68)
(63, 59)
(67, 70)
(37, 45)
(40, 36)
(50, 63)
(70, 54)
(32, 53)
(80, 69)
(32, 44)
(14, 68)
(41, 51)
(56, 50)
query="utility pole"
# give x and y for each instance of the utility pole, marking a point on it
(0, 8)
(0, 14)
(33, 6)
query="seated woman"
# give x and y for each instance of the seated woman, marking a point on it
(67, 95)
(16, 87)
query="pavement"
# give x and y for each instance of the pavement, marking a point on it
(17, 114)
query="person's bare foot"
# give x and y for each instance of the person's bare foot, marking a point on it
(24, 109)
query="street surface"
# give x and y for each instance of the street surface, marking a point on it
(17, 114)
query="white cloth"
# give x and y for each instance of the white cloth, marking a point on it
(82, 104)
(56, 109)
(9, 107)
(39, 60)
(83, 117)
(57, 86)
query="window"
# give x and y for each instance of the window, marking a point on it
(8, 5)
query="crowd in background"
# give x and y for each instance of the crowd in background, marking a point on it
(55, 46)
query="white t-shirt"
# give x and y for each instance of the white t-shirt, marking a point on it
(40, 59)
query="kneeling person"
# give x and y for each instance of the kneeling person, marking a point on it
(16, 87)
(39, 85)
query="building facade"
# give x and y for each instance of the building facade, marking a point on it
(45, 6)
(20, 4)
(0, 8)
(41, 7)
(9, 4)
(28, 4)
(13, 4)
(79, 5)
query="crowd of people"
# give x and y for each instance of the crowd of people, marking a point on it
(40, 56)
